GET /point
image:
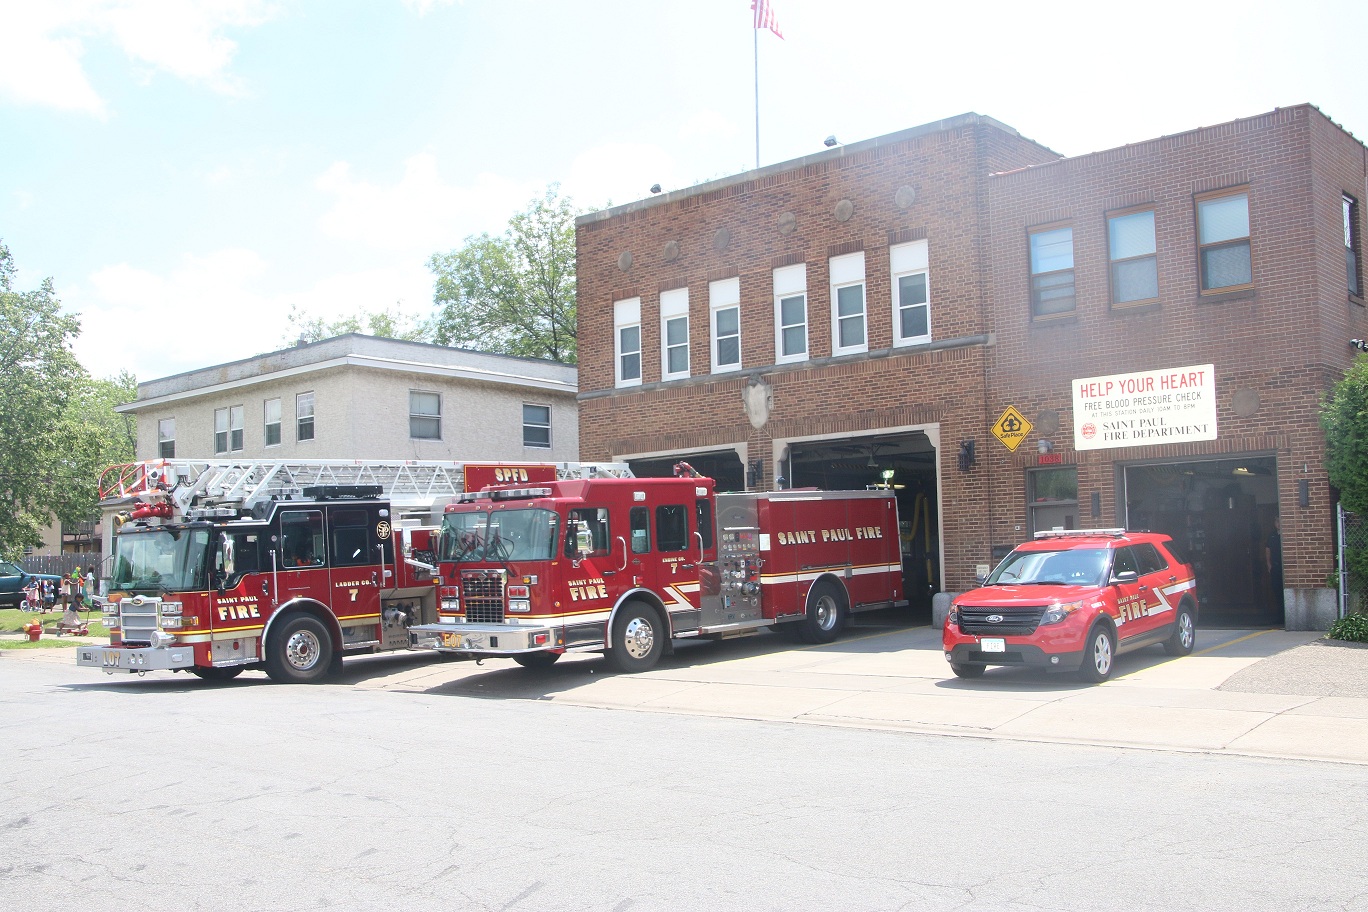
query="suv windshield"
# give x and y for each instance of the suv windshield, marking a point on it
(501, 535)
(174, 560)
(1074, 567)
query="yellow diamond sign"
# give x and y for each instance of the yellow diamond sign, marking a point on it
(1011, 428)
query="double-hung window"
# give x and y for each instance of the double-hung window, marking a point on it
(848, 329)
(271, 420)
(425, 415)
(1052, 271)
(236, 422)
(1134, 265)
(724, 306)
(911, 268)
(627, 341)
(674, 334)
(304, 416)
(228, 429)
(537, 426)
(1223, 241)
(166, 438)
(1350, 207)
(790, 314)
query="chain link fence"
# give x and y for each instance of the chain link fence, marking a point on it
(1353, 562)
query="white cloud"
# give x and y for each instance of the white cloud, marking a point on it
(42, 43)
(620, 173)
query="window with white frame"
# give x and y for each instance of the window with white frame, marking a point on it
(848, 330)
(911, 266)
(221, 430)
(271, 420)
(304, 416)
(1349, 206)
(790, 313)
(166, 438)
(627, 341)
(724, 305)
(537, 426)
(1052, 271)
(674, 334)
(425, 415)
(228, 424)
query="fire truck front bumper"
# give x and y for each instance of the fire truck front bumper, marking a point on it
(487, 639)
(131, 659)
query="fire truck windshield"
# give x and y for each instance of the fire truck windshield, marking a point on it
(173, 560)
(499, 535)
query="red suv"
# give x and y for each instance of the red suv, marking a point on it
(1075, 600)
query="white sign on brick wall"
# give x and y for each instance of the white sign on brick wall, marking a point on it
(1177, 405)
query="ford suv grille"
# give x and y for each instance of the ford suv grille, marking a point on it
(482, 594)
(1000, 621)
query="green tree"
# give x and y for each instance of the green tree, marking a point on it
(50, 456)
(513, 294)
(94, 406)
(1344, 417)
(390, 323)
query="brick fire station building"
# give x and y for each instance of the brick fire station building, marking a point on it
(1011, 339)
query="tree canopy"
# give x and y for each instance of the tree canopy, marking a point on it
(390, 323)
(513, 294)
(57, 425)
(1344, 417)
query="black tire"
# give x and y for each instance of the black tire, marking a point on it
(299, 652)
(638, 638)
(826, 613)
(968, 669)
(1099, 655)
(1184, 631)
(537, 659)
(216, 674)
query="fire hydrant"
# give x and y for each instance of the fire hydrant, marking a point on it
(34, 629)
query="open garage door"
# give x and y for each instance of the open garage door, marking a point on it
(906, 463)
(724, 467)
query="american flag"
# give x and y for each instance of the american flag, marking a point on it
(764, 16)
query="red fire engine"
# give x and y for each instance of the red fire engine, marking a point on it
(626, 565)
(220, 567)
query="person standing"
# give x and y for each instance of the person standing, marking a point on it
(1273, 561)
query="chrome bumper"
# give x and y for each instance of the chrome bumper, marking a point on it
(148, 658)
(486, 639)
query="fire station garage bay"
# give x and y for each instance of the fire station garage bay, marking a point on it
(1010, 339)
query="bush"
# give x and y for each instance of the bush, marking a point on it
(1352, 628)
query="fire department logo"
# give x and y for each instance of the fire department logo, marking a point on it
(1089, 430)
(382, 530)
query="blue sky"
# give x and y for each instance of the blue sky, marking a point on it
(187, 171)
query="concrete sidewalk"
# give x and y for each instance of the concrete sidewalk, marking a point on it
(898, 680)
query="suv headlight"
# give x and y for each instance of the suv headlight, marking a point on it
(1058, 612)
(952, 616)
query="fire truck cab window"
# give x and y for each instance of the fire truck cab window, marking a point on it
(350, 537)
(705, 524)
(596, 518)
(245, 548)
(301, 534)
(672, 527)
(641, 530)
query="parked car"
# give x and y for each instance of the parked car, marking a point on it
(14, 580)
(1073, 601)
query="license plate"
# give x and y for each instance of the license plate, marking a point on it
(992, 644)
(451, 640)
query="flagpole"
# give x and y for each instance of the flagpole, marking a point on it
(755, 35)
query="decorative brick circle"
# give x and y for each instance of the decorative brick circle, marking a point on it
(788, 223)
(904, 197)
(1246, 402)
(1047, 422)
(844, 210)
(671, 251)
(625, 260)
(721, 238)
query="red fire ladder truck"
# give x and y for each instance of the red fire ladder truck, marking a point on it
(627, 565)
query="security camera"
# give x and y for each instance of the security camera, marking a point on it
(1360, 344)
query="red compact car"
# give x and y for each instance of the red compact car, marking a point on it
(1073, 601)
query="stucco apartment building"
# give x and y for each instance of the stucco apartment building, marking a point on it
(1011, 339)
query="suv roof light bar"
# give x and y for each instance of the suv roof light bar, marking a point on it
(1081, 533)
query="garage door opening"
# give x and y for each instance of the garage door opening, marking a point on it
(724, 467)
(1220, 514)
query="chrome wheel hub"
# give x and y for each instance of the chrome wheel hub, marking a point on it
(302, 650)
(638, 638)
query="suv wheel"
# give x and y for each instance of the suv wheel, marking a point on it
(1099, 655)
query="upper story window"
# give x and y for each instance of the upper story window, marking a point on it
(627, 341)
(790, 314)
(724, 304)
(425, 415)
(228, 429)
(1350, 207)
(1134, 264)
(271, 420)
(166, 438)
(911, 292)
(537, 426)
(1052, 271)
(1223, 241)
(848, 329)
(304, 416)
(674, 334)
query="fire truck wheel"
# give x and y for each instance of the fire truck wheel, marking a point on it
(1099, 655)
(300, 652)
(968, 669)
(1184, 633)
(826, 614)
(215, 674)
(537, 659)
(638, 638)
